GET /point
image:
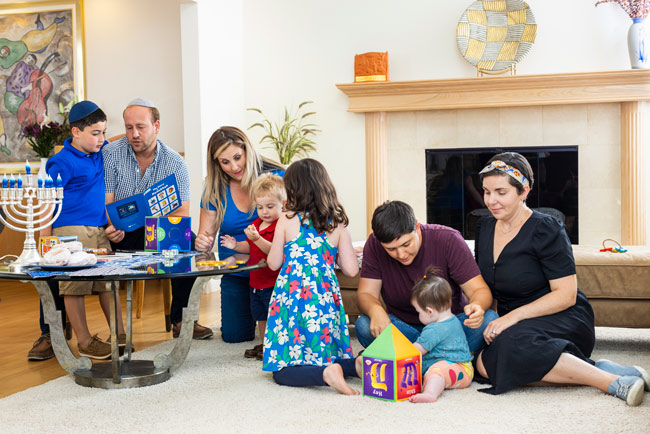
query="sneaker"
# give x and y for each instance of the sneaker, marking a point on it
(622, 370)
(42, 349)
(200, 332)
(629, 389)
(96, 349)
(253, 352)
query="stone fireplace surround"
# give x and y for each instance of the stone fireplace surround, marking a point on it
(603, 113)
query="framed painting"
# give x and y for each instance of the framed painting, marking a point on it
(41, 66)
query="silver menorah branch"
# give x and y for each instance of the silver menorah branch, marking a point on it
(30, 205)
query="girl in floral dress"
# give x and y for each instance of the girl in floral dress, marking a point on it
(307, 342)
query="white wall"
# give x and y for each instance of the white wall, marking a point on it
(133, 49)
(296, 50)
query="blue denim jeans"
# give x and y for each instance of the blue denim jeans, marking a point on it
(58, 304)
(412, 331)
(237, 323)
(307, 375)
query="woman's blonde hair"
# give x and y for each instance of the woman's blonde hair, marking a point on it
(216, 182)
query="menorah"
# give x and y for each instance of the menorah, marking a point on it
(30, 204)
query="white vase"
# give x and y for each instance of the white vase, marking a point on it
(637, 44)
(42, 173)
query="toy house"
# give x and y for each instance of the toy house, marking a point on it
(392, 367)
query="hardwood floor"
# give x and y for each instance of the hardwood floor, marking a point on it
(19, 329)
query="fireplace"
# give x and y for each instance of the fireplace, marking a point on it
(603, 113)
(454, 194)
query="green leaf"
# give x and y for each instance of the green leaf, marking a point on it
(302, 104)
(289, 137)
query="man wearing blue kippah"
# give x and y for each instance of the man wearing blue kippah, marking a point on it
(133, 164)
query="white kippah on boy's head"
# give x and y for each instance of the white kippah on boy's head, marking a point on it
(142, 102)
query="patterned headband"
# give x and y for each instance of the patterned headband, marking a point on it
(503, 167)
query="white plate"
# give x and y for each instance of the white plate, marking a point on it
(64, 267)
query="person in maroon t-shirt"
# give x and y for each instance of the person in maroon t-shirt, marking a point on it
(397, 255)
(269, 195)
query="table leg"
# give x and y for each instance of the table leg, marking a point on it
(178, 354)
(115, 356)
(66, 358)
(122, 374)
(129, 319)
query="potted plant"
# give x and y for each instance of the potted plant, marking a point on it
(42, 138)
(292, 137)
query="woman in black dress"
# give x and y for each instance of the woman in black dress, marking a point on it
(545, 331)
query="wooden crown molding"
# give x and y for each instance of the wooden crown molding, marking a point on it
(500, 91)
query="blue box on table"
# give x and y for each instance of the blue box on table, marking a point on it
(167, 233)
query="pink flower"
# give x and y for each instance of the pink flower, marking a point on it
(305, 293)
(274, 308)
(634, 8)
(325, 336)
(327, 256)
(293, 287)
(335, 296)
(296, 336)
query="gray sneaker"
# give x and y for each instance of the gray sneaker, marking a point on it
(96, 349)
(629, 389)
(622, 370)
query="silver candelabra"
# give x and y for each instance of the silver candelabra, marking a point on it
(29, 202)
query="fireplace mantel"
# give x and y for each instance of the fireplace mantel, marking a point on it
(507, 91)
(631, 88)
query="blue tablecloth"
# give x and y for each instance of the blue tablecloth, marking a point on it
(114, 267)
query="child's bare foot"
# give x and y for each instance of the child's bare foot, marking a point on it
(333, 376)
(423, 397)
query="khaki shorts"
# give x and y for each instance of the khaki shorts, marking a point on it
(89, 236)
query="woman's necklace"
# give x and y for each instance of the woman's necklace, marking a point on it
(517, 225)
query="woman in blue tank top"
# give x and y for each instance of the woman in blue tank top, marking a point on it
(227, 209)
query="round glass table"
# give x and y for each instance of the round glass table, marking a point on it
(123, 371)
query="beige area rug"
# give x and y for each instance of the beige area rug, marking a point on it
(217, 390)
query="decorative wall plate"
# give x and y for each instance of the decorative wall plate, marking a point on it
(494, 35)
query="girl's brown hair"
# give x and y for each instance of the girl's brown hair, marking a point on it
(217, 181)
(432, 291)
(310, 191)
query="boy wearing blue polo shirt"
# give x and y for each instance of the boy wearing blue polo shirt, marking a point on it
(81, 167)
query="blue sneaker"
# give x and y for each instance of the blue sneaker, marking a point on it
(629, 389)
(624, 371)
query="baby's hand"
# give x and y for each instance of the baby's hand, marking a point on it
(251, 233)
(228, 242)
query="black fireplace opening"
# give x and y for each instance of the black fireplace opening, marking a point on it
(455, 194)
